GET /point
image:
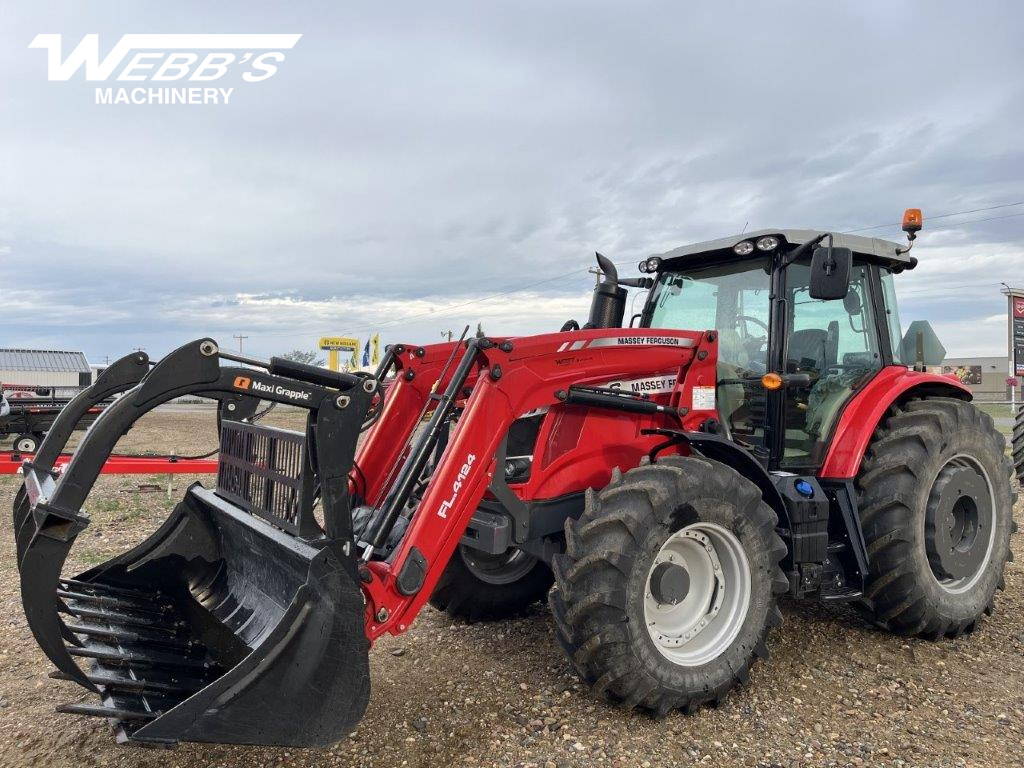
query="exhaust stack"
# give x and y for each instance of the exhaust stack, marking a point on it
(608, 306)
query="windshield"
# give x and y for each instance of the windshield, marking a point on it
(731, 298)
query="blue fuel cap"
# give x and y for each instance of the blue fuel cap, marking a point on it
(804, 488)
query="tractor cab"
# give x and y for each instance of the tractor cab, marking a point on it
(804, 320)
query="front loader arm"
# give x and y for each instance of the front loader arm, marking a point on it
(513, 378)
(419, 372)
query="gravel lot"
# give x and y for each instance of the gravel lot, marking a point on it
(835, 691)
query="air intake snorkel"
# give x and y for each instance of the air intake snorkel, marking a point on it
(609, 303)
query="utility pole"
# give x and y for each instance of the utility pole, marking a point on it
(240, 337)
(447, 334)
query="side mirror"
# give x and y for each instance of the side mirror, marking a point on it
(830, 272)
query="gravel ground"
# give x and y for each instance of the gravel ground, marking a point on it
(834, 692)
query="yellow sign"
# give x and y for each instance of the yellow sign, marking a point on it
(345, 343)
(375, 349)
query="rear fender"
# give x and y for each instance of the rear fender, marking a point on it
(862, 415)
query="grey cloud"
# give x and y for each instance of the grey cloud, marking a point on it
(444, 153)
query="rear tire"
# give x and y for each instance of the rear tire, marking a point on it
(476, 586)
(668, 587)
(937, 512)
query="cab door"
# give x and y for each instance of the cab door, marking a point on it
(831, 349)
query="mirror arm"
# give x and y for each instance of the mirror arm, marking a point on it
(802, 250)
(637, 282)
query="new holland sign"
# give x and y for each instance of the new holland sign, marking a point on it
(339, 343)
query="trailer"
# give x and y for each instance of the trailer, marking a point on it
(28, 416)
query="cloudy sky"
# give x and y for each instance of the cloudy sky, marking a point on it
(412, 168)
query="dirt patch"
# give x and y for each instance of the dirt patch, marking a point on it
(834, 692)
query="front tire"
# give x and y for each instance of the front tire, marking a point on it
(937, 512)
(476, 586)
(668, 587)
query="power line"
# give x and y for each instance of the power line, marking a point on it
(400, 320)
(989, 218)
(517, 289)
(949, 215)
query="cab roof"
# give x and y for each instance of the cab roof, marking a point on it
(877, 250)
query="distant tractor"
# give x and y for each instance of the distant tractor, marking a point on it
(757, 430)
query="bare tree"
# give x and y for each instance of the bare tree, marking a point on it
(309, 358)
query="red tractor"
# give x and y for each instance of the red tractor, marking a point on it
(759, 429)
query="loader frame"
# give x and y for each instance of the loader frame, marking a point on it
(504, 379)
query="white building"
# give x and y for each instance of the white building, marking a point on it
(44, 369)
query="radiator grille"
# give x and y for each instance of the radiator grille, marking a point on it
(264, 470)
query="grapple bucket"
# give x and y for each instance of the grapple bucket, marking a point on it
(241, 619)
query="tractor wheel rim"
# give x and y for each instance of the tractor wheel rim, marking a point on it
(959, 524)
(505, 568)
(693, 619)
(26, 445)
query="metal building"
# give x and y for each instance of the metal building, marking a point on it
(986, 377)
(45, 369)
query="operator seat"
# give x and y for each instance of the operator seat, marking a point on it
(809, 349)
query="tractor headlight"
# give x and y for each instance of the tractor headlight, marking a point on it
(517, 469)
(744, 248)
(652, 264)
(767, 243)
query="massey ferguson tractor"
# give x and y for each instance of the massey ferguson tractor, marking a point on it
(760, 429)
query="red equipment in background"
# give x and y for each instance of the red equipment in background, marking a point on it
(11, 461)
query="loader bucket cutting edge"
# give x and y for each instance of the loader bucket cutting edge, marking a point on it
(239, 620)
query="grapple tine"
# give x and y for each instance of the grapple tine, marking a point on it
(22, 530)
(118, 377)
(40, 570)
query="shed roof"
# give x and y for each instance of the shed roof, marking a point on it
(50, 360)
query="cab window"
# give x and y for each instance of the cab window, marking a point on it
(833, 347)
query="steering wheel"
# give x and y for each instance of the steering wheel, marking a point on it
(748, 319)
(754, 344)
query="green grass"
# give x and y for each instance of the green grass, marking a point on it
(996, 410)
(90, 557)
(1002, 413)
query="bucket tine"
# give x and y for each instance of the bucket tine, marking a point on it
(100, 711)
(125, 683)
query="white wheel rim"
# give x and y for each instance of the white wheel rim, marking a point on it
(959, 586)
(703, 624)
